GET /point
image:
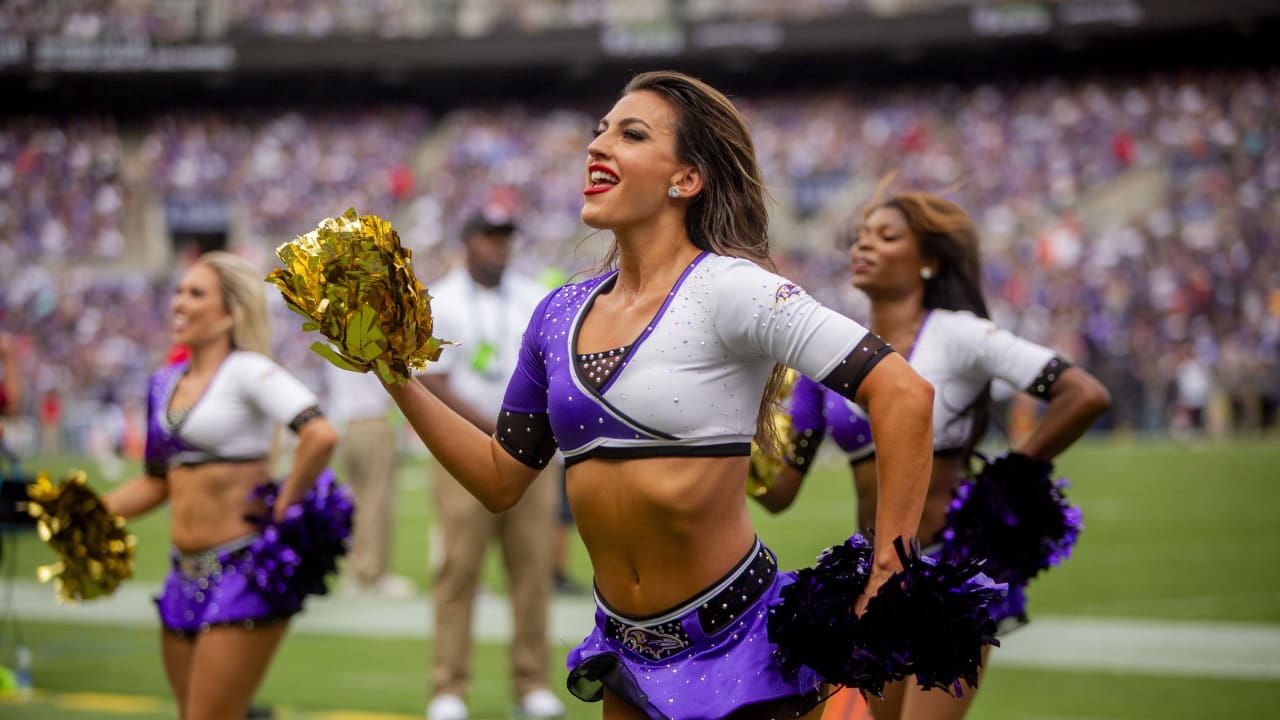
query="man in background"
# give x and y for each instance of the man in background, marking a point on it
(485, 308)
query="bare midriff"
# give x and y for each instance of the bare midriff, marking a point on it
(208, 502)
(947, 471)
(659, 531)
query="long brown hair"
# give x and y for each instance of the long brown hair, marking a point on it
(949, 238)
(730, 216)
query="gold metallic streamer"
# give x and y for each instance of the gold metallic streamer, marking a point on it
(765, 467)
(353, 281)
(94, 549)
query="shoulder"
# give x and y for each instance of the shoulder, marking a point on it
(960, 324)
(562, 302)
(742, 276)
(243, 363)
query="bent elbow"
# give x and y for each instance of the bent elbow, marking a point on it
(918, 392)
(1098, 399)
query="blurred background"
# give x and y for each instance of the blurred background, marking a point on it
(1122, 158)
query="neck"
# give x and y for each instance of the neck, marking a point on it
(206, 358)
(483, 279)
(651, 258)
(897, 317)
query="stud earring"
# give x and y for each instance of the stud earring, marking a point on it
(673, 192)
(926, 272)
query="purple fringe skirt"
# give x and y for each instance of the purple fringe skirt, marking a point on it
(215, 588)
(703, 660)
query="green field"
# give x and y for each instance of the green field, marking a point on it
(1172, 532)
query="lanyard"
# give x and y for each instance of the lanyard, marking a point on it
(484, 356)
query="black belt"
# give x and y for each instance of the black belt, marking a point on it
(662, 635)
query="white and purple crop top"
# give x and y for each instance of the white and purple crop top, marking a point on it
(958, 353)
(232, 421)
(691, 384)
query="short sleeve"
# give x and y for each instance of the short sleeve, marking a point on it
(989, 352)
(273, 390)
(806, 406)
(763, 314)
(527, 390)
(808, 424)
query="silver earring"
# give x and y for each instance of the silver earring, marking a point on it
(673, 192)
(926, 272)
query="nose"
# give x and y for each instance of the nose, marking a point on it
(598, 147)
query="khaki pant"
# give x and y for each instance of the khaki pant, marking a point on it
(367, 453)
(525, 533)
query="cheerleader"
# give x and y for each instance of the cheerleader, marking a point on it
(916, 258)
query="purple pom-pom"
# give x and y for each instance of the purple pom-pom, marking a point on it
(1015, 516)
(292, 558)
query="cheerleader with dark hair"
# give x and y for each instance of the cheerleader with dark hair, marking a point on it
(916, 257)
(650, 378)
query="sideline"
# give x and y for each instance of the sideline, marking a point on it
(1091, 644)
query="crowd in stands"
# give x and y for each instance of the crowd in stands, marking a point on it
(1134, 224)
(185, 20)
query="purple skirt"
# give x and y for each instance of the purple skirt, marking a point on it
(215, 588)
(703, 660)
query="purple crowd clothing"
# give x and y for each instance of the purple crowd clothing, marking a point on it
(703, 660)
(215, 588)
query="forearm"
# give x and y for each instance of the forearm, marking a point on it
(472, 457)
(1075, 403)
(900, 407)
(438, 385)
(316, 441)
(782, 490)
(136, 497)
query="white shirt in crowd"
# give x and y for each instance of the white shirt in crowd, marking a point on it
(487, 324)
(354, 396)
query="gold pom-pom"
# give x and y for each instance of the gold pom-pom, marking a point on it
(765, 466)
(353, 281)
(95, 551)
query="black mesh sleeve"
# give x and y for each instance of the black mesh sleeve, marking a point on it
(1049, 374)
(305, 417)
(527, 437)
(849, 374)
(801, 448)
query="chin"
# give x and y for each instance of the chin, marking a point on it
(592, 219)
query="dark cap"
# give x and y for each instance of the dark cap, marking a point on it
(487, 221)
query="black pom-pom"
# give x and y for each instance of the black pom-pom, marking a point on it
(815, 623)
(933, 613)
(929, 620)
(1015, 516)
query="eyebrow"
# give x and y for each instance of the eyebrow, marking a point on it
(627, 121)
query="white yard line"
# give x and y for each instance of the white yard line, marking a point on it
(1092, 644)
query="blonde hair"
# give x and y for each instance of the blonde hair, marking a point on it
(244, 299)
